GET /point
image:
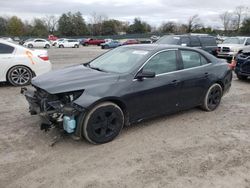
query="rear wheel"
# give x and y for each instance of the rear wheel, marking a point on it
(19, 76)
(61, 46)
(103, 123)
(240, 77)
(30, 46)
(47, 46)
(212, 98)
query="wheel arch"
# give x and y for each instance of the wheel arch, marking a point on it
(119, 102)
(7, 72)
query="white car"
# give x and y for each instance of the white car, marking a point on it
(56, 41)
(18, 65)
(37, 43)
(231, 46)
(68, 43)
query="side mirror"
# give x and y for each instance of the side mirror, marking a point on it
(183, 44)
(145, 74)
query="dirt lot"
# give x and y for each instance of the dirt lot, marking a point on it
(188, 149)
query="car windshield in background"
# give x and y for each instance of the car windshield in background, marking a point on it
(120, 60)
(169, 40)
(234, 40)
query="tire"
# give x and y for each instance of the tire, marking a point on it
(212, 98)
(30, 46)
(240, 77)
(61, 46)
(47, 46)
(76, 46)
(103, 123)
(19, 75)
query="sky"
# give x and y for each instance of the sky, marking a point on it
(154, 12)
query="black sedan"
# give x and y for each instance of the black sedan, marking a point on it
(127, 85)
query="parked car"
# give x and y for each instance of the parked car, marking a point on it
(56, 41)
(37, 43)
(82, 41)
(154, 38)
(111, 44)
(127, 85)
(18, 64)
(93, 42)
(52, 38)
(131, 41)
(7, 39)
(204, 42)
(68, 43)
(231, 46)
(242, 68)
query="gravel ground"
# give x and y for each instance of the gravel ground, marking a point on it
(189, 149)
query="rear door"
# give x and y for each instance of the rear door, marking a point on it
(39, 43)
(194, 79)
(158, 95)
(6, 59)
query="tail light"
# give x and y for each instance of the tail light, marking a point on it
(44, 57)
(232, 65)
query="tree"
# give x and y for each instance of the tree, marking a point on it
(3, 26)
(139, 27)
(240, 13)
(169, 27)
(72, 24)
(226, 19)
(39, 28)
(96, 21)
(51, 23)
(15, 26)
(245, 29)
(111, 27)
(193, 23)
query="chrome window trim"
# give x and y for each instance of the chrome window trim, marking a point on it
(166, 50)
(162, 74)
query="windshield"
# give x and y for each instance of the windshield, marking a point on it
(234, 40)
(119, 60)
(169, 40)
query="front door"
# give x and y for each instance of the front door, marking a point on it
(158, 95)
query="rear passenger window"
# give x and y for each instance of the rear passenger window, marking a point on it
(6, 49)
(208, 41)
(195, 42)
(185, 40)
(192, 59)
(163, 62)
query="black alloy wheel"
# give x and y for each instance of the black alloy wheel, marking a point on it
(103, 123)
(213, 97)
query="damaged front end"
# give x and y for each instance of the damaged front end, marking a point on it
(55, 110)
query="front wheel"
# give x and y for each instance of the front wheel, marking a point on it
(47, 46)
(212, 98)
(103, 123)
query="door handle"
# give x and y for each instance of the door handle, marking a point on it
(206, 74)
(175, 82)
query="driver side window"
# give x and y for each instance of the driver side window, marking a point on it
(162, 62)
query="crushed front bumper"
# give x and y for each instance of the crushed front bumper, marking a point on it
(52, 112)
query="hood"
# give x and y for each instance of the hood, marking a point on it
(72, 79)
(231, 46)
